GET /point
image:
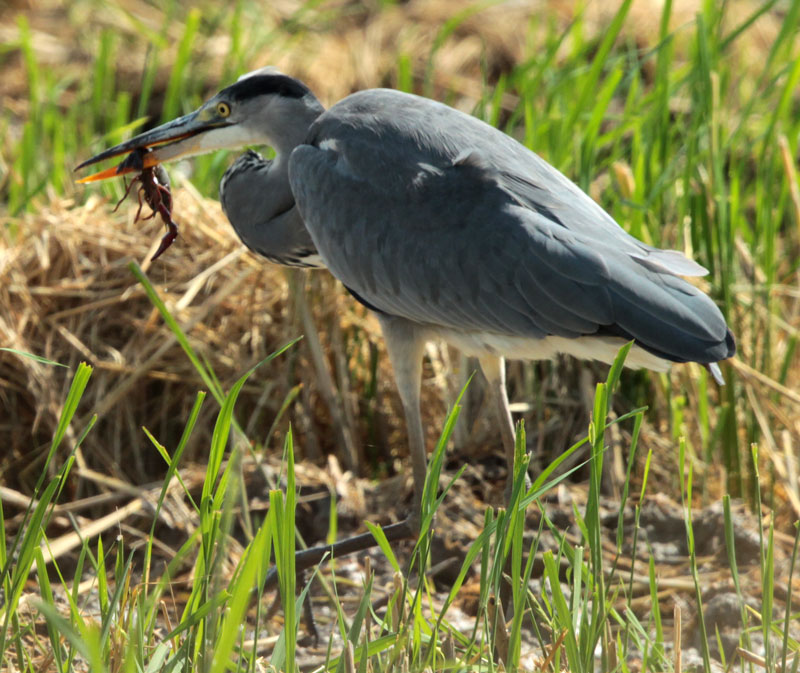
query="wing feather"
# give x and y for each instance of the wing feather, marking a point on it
(423, 225)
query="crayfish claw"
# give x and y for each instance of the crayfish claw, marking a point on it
(166, 241)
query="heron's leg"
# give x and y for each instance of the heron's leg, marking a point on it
(494, 369)
(305, 558)
(405, 343)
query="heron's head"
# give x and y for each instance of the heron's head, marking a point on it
(264, 107)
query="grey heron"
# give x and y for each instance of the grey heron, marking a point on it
(446, 228)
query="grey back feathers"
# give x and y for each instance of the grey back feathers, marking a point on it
(431, 215)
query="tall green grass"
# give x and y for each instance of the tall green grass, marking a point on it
(688, 163)
(688, 127)
(72, 115)
(688, 130)
(131, 611)
(578, 617)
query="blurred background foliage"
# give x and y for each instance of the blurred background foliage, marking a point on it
(682, 118)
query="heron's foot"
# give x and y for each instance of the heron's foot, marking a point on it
(307, 558)
(312, 633)
(311, 636)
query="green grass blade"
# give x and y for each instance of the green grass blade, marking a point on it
(589, 83)
(282, 512)
(199, 613)
(31, 356)
(85, 638)
(383, 544)
(254, 564)
(176, 329)
(177, 85)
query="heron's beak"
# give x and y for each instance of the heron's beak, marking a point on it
(181, 137)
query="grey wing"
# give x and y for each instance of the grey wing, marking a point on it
(398, 131)
(454, 245)
(560, 200)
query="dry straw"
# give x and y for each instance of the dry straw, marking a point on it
(68, 295)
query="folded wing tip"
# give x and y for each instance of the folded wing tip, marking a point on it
(716, 372)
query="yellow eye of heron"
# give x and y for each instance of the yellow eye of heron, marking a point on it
(223, 109)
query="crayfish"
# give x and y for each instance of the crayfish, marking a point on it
(154, 191)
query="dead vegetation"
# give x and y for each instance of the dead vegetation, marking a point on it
(67, 293)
